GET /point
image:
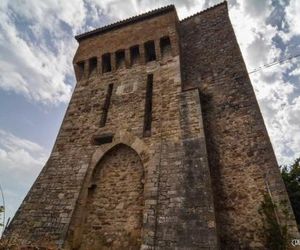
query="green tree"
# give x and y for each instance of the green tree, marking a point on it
(291, 177)
(275, 233)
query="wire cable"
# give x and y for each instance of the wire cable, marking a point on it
(274, 63)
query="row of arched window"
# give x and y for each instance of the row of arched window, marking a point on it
(106, 62)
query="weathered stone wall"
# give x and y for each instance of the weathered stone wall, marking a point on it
(240, 154)
(114, 209)
(49, 206)
(197, 216)
(185, 210)
(177, 207)
(205, 163)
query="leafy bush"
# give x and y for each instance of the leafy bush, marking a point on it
(291, 177)
(275, 233)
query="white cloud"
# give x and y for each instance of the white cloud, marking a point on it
(37, 46)
(20, 162)
(37, 42)
(296, 72)
(253, 34)
(274, 90)
(292, 17)
(36, 53)
(20, 154)
(280, 107)
(118, 9)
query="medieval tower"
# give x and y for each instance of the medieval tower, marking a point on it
(163, 145)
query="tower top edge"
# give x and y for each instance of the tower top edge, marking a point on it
(125, 22)
(224, 3)
(138, 18)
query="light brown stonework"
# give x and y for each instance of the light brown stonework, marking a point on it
(194, 181)
(114, 205)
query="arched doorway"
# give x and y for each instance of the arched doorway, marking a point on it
(114, 209)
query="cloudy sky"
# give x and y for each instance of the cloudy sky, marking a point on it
(36, 75)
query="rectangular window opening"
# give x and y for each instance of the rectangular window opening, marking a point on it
(102, 139)
(165, 46)
(92, 66)
(148, 106)
(106, 63)
(80, 70)
(120, 59)
(106, 105)
(150, 51)
(134, 54)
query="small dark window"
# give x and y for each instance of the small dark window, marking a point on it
(106, 105)
(102, 139)
(91, 190)
(106, 63)
(92, 66)
(148, 106)
(120, 59)
(134, 54)
(150, 51)
(165, 46)
(80, 70)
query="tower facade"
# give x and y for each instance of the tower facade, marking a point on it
(163, 145)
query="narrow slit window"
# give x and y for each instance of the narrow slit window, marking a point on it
(91, 190)
(134, 54)
(92, 66)
(120, 59)
(80, 70)
(106, 105)
(148, 106)
(150, 51)
(165, 46)
(106, 63)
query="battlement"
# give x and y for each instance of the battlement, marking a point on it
(145, 38)
(124, 58)
(151, 36)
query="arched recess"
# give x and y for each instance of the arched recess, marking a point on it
(119, 177)
(114, 206)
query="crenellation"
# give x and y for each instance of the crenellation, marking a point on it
(129, 56)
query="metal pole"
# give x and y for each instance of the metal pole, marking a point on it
(3, 202)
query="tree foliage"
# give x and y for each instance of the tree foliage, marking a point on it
(275, 233)
(291, 177)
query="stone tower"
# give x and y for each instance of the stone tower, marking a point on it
(163, 145)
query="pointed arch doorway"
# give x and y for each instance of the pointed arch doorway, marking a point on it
(115, 202)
